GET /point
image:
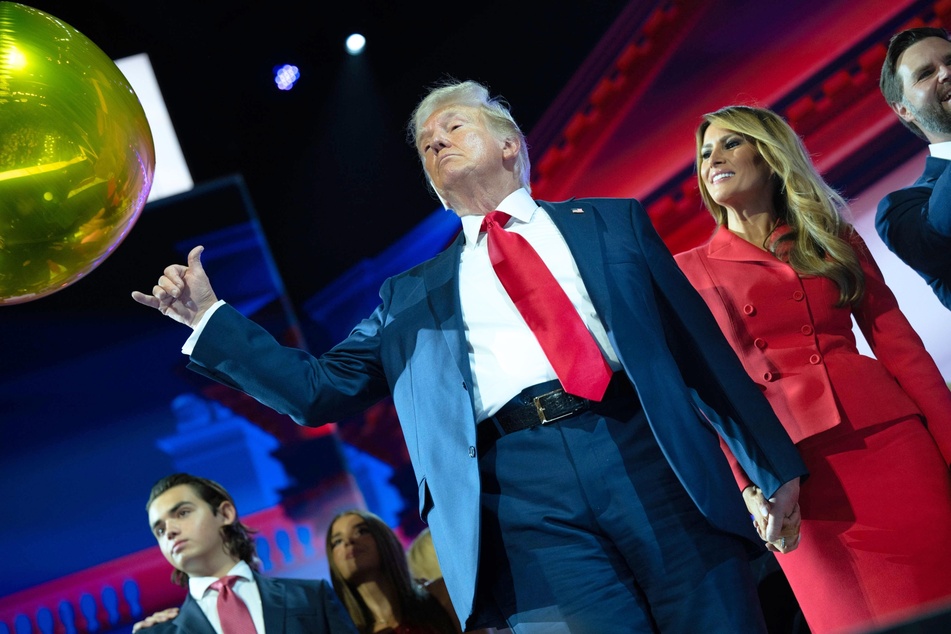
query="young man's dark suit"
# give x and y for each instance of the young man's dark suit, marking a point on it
(414, 347)
(290, 606)
(915, 223)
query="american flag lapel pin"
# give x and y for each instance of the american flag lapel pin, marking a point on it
(577, 210)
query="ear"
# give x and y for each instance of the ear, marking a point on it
(227, 513)
(510, 148)
(902, 111)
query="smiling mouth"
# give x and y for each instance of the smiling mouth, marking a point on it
(721, 176)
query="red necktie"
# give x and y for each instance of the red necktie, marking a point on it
(233, 613)
(543, 304)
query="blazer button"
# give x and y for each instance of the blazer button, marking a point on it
(807, 330)
(798, 295)
(472, 452)
(770, 377)
(759, 343)
(815, 359)
(749, 309)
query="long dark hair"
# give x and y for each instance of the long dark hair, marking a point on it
(236, 537)
(416, 607)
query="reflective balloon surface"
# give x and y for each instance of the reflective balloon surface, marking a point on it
(76, 155)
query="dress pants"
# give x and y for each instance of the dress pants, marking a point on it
(587, 530)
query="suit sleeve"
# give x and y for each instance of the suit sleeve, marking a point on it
(347, 379)
(899, 348)
(915, 223)
(337, 619)
(727, 396)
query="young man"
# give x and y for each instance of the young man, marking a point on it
(915, 222)
(196, 524)
(568, 460)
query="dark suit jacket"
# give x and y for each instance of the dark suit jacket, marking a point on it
(413, 346)
(291, 606)
(915, 223)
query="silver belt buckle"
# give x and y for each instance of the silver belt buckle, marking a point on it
(540, 409)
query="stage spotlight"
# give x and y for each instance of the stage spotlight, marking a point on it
(356, 43)
(285, 76)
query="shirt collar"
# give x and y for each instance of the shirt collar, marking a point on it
(941, 150)
(519, 204)
(198, 586)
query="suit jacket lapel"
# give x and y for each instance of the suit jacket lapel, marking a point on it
(934, 168)
(192, 620)
(272, 604)
(577, 222)
(724, 245)
(442, 285)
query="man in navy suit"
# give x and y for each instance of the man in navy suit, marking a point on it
(915, 222)
(196, 524)
(549, 512)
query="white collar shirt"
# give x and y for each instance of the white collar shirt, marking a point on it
(941, 150)
(246, 588)
(504, 355)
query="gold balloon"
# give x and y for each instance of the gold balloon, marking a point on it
(76, 155)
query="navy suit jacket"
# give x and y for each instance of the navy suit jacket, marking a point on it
(915, 223)
(291, 606)
(413, 346)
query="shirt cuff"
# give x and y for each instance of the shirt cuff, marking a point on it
(196, 333)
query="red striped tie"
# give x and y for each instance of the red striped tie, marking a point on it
(549, 313)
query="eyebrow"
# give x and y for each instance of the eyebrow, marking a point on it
(445, 115)
(336, 534)
(928, 65)
(170, 512)
(726, 135)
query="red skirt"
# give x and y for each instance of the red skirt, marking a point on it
(876, 527)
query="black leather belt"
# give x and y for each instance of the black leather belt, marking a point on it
(545, 403)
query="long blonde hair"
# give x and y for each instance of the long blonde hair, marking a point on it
(818, 243)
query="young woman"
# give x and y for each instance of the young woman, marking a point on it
(369, 572)
(785, 274)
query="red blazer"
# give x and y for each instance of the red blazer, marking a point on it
(800, 349)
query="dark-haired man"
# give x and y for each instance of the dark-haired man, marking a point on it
(915, 222)
(196, 524)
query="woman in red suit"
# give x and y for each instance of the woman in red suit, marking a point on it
(784, 274)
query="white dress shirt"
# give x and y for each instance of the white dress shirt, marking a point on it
(941, 150)
(504, 354)
(246, 589)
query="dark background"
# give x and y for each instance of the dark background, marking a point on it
(327, 165)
